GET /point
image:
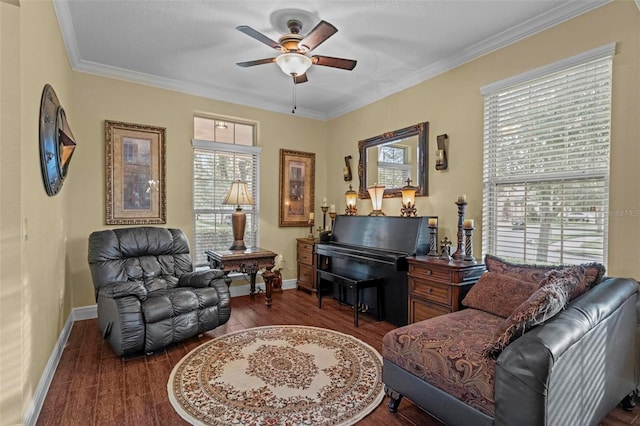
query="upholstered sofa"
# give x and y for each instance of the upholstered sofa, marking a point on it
(148, 294)
(569, 363)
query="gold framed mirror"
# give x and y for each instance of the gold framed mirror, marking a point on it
(391, 158)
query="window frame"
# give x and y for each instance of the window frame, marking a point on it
(493, 182)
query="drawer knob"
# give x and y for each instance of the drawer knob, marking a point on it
(429, 271)
(429, 290)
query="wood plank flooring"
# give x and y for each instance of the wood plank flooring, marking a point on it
(92, 386)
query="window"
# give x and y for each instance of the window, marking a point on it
(223, 151)
(546, 162)
(393, 167)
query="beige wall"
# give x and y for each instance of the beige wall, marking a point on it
(100, 99)
(452, 104)
(52, 263)
(11, 365)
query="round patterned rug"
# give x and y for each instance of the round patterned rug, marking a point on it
(277, 375)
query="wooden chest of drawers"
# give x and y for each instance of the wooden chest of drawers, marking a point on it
(437, 287)
(306, 265)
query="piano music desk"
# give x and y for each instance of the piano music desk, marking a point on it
(248, 261)
(355, 284)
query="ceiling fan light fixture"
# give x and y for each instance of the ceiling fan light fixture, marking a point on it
(293, 63)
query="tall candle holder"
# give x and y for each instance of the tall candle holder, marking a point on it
(332, 215)
(433, 243)
(468, 244)
(311, 222)
(325, 209)
(462, 205)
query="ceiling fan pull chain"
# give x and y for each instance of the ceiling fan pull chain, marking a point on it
(293, 111)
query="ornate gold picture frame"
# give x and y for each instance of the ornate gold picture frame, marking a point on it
(297, 187)
(135, 174)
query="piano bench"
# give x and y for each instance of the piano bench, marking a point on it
(355, 284)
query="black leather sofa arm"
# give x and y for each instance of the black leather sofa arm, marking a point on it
(122, 289)
(200, 279)
(565, 353)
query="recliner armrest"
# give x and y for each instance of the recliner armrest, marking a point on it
(122, 289)
(200, 279)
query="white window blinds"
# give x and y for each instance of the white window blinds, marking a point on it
(546, 162)
(215, 167)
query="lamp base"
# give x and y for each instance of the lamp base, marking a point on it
(238, 222)
(377, 213)
(238, 245)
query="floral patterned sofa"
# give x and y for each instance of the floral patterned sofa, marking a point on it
(537, 345)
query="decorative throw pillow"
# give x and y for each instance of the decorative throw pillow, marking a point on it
(524, 272)
(593, 272)
(535, 273)
(498, 294)
(545, 303)
(572, 278)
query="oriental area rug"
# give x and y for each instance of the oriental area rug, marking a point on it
(278, 375)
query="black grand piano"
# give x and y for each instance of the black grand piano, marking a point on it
(368, 255)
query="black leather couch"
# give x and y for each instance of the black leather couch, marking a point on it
(147, 292)
(571, 370)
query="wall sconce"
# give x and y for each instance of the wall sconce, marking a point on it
(238, 194)
(376, 191)
(441, 152)
(352, 198)
(408, 200)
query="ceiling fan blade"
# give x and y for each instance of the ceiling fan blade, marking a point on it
(259, 36)
(256, 62)
(297, 79)
(328, 61)
(317, 35)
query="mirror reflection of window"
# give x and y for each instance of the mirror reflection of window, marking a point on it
(394, 167)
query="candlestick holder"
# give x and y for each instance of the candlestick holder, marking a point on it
(433, 243)
(445, 247)
(468, 245)
(311, 223)
(325, 209)
(459, 253)
(332, 215)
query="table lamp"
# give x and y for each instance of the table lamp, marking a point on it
(238, 194)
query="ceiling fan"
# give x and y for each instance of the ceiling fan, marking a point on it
(293, 59)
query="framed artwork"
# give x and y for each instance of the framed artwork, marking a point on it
(135, 174)
(297, 187)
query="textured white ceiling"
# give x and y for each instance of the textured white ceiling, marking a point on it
(192, 45)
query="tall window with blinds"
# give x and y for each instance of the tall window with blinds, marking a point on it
(546, 162)
(223, 152)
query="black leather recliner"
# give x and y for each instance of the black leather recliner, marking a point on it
(147, 292)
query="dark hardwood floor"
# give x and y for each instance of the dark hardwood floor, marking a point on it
(92, 386)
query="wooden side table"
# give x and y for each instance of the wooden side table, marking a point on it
(248, 261)
(437, 286)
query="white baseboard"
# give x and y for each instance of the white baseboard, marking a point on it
(89, 312)
(32, 413)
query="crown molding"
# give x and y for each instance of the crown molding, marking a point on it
(553, 17)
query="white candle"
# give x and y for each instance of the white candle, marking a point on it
(468, 224)
(312, 216)
(332, 208)
(462, 198)
(324, 202)
(433, 222)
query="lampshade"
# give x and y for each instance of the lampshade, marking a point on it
(238, 194)
(376, 191)
(293, 63)
(352, 198)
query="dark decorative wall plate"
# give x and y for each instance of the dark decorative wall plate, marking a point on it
(56, 142)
